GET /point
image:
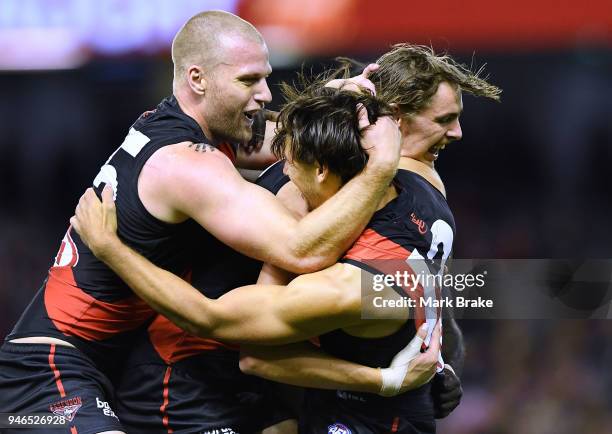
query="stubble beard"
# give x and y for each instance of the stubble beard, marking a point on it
(227, 127)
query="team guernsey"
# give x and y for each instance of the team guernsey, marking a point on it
(173, 381)
(84, 303)
(417, 224)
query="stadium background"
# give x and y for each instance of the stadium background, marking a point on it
(530, 179)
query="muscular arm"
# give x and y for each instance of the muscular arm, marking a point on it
(263, 314)
(303, 364)
(178, 182)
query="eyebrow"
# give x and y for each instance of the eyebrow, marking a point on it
(448, 115)
(253, 76)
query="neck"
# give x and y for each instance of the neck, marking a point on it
(422, 169)
(188, 104)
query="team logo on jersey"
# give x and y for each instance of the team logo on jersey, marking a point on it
(420, 223)
(67, 408)
(338, 428)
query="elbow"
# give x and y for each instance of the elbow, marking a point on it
(309, 264)
(196, 329)
(198, 325)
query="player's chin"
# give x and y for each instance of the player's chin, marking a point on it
(243, 134)
(239, 135)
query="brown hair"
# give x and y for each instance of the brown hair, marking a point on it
(321, 124)
(409, 76)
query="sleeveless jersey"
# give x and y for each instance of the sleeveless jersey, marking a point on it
(82, 301)
(416, 224)
(214, 275)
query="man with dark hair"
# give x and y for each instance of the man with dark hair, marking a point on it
(173, 178)
(273, 314)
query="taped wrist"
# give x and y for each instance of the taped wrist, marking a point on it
(392, 380)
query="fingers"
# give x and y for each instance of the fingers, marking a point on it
(107, 194)
(271, 115)
(362, 115)
(74, 223)
(370, 69)
(452, 395)
(411, 350)
(451, 380)
(434, 343)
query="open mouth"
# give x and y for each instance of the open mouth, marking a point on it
(250, 115)
(435, 150)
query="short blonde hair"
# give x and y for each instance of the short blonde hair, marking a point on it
(198, 41)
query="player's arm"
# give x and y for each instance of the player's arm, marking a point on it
(206, 187)
(303, 364)
(262, 314)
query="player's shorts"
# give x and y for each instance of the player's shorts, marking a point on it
(205, 393)
(338, 412)
(56, 380)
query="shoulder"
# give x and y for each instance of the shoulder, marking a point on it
(186, 159)
(177, 179)
(291, 197)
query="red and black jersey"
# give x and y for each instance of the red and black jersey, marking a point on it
(417, 224)
(82, 301)
(214, 275)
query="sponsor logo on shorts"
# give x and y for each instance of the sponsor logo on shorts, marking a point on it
(67, 408)
(105, 407)
(338, 428)
(220, 431)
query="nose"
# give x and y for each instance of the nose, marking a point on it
(454, 132)
(263, 94)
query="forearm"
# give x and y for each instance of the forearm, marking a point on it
(246, 315)
(165, 292)
(272, 275)
(302, 364)
(323, 235)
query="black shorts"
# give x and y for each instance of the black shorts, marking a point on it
(337, 412)
(53, 379)
(205, 393)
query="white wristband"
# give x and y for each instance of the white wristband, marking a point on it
(392, 380)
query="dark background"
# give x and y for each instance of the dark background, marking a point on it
(530, 179)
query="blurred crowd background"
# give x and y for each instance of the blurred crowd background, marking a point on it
(530, 179)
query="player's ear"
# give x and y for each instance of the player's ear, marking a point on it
(196, 79)
(397, 113)
(322, 173)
